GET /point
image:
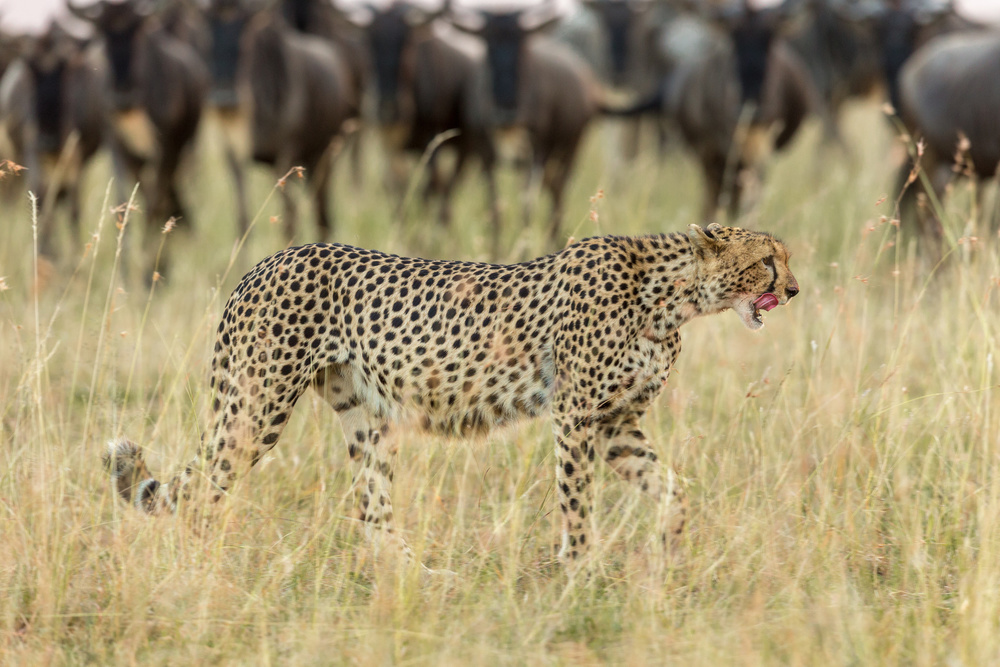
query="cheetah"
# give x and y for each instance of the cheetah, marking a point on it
(588, 334)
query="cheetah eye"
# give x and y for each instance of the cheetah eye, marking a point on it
(768, 263)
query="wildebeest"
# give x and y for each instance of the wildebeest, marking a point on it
(282, 97)
(158, 87)
(421, 89)
(52, 108)
(620, 40)
(529, 83)
(323, 19)
(950, 89)
(731, 68)
(836, 42)
(623, 50)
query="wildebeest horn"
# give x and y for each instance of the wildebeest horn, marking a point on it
(88, 13)
(359, 16)
(461, 25)
(926, 14)
(444, 10)
(554, 17)
(417, 16)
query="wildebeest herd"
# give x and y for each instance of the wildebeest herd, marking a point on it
(295, 83)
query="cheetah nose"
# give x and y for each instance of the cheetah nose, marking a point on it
(792, 290)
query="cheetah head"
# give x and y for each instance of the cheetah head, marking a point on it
(743, 270)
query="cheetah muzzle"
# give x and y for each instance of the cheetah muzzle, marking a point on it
(588, 334)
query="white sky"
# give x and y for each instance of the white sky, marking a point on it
(34, 15)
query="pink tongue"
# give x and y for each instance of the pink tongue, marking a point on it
(766, 302)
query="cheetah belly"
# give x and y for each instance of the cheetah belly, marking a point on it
(459, 399)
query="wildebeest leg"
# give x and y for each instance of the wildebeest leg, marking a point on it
(532, 186)
(736, 193)
(489, 170)
(284, 166)
(631, 132)
(448, 187)
(320, 183)
(714, 172)
(165, 204)
(37, 187)
(355, 151)
(239, 184)
(556, 175)
(912, 214)
(291, 213)
(126, 166)
(434, 183)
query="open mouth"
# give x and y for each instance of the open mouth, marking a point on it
(750, 311)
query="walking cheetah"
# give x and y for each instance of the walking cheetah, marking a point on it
(588, 334)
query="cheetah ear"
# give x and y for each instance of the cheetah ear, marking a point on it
(705, 241)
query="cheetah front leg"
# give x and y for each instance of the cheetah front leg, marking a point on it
(574, 459)
(627, 450)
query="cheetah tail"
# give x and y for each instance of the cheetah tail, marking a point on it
(124, 462)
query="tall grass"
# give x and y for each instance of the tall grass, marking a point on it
(841, 464)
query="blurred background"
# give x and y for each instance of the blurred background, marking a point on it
(413, 102)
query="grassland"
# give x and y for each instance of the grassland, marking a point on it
(842, 464)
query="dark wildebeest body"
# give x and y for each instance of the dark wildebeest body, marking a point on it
(531, 84)
(282, 97)
(841, 54)
(951, 88)
(158, 87)
(323, 19)
(52, 106)
(421, 88)
(900, 30)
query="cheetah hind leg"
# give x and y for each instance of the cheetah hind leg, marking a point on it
(372, 457)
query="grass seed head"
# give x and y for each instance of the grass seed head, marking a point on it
(10, 168)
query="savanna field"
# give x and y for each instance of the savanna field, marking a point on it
(841, 465)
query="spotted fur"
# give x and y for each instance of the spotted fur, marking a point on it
(588, 334)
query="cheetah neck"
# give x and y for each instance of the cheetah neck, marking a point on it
(671, 292)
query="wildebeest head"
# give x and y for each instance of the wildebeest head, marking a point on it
(753, 32)
(120, 24)
(47, 58)
(227, 21)
(392, 33)
(618, 17)
(506, 39)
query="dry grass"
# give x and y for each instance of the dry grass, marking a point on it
(842, 464)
